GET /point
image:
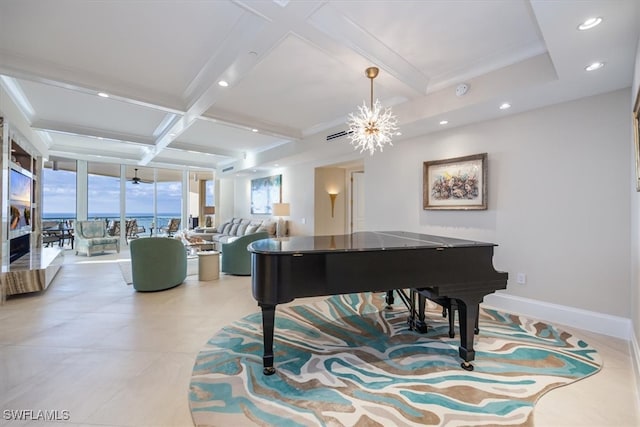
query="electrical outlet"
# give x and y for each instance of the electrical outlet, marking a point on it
(521, 278)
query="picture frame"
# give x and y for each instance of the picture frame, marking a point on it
(458, 183)
(636, 137)
(264, 193)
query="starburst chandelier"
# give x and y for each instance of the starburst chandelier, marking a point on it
(373, 126)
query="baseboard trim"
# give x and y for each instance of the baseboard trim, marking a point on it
(635, 360)
(614, 326)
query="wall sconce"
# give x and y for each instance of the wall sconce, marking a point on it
(333, 196)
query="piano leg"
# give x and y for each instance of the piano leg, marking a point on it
(451, 308)
(421, 325)
(389, 299)
(268, 320)
(467, 317)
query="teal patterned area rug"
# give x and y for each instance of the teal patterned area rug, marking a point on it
(346, 361)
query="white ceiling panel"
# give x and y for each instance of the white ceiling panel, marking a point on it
(160, 45)
(62, 107)
(447, 36)
(209, 134)
(300, 86)
(295, 70)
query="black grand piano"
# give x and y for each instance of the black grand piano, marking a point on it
(434, 267)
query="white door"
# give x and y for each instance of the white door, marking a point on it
(357, 201)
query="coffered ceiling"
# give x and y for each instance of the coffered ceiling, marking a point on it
(295, 70)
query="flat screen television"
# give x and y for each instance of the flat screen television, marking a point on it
(20, 203)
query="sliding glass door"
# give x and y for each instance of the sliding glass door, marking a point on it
(139, 201)
(169, 197)
(59, 191)
(152, 197)
(103, 194)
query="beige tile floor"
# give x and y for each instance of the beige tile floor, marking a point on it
(92, 346)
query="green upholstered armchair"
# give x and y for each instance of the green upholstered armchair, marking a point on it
(236, 259)
(91, 237)
(157, 263)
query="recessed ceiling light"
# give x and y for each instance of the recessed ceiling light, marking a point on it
(223, 83)
(254, 130)
(504, 106)
(444, 122)
(103, 94)
(594, 66)
(589, 23)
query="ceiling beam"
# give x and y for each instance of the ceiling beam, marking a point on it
(184, 146)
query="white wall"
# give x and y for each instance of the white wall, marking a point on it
(635, 232)
(559, 203)
(225, 200)
(298, 183)
(558, 198)
(330, 180)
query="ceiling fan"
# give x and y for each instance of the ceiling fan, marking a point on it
(136, 180)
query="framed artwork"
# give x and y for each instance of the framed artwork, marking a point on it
(458, 184)
(636, 138)
(264, 193)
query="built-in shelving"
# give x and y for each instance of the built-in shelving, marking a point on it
(34, 270)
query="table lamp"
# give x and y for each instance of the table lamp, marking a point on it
(280, 210)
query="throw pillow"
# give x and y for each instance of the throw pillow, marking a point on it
(269, 227)
(234, 228)
(225, 228)
(251, 229)
(241, 229)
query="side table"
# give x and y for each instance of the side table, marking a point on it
(208, 265)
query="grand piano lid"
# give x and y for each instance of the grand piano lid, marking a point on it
(360, 241)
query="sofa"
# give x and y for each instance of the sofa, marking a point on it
(91, 237)
(157, 263)
(237, 227)
(236, 259)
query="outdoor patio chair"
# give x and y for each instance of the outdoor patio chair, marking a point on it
(114, 228)
(172, 227)
(91, 237)
(133, 229)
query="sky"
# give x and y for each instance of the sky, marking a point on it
(59, 195)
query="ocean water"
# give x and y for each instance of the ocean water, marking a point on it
(143, 220)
